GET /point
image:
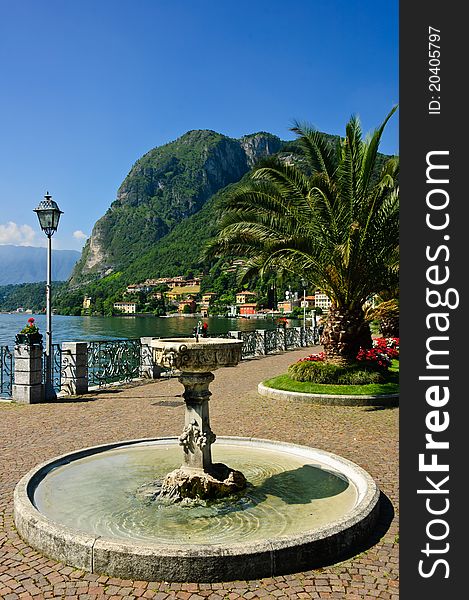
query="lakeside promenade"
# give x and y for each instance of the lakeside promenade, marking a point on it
(31, 434)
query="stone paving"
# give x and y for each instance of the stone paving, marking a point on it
(34, 433)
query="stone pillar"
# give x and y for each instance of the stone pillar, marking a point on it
(197, 437)
(27, 382)
(148, 368)
(74, 368)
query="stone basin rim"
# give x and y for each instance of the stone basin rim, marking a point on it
(26, 512)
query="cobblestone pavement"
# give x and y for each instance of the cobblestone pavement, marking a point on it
(32, 434)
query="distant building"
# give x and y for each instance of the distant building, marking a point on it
(128, 308)
(134, 289)
(321, 300)
(235, 265)
(205, 304)
(308, 302)
(285, 306)
(190, 302)
(87, 302)
(243, 297)
(248, 308)
(173, 282)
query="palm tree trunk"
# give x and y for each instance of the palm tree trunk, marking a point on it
(345, 332)
(389, 326)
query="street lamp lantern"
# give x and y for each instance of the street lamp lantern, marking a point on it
(48, 214)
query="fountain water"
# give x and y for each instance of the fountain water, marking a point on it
(130, 510)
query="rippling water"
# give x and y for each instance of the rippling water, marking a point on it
(286, 496)
(98, 328)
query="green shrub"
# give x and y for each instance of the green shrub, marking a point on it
(360, 377)
(323, 372)
(317, 372)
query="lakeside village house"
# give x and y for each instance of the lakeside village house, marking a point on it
(183, 296)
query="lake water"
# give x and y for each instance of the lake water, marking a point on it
(105, 328)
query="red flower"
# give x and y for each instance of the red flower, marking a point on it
(313, 357)
(31, 320)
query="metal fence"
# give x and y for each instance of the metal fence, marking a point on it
(6, 371)
(267, 341)
(112, 361)
(56, 367)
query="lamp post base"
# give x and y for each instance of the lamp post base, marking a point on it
(49, 392)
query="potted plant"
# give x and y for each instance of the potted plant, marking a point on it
(29, 335)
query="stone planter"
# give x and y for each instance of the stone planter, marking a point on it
(29, 339)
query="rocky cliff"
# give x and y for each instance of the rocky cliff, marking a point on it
(165, 186)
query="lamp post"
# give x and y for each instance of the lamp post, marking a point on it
(303, 283)
(314, 326)
(48, 214)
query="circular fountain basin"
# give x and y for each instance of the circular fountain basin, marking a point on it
(303, 508)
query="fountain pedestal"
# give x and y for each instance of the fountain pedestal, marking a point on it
(198, 477)
(197, 437)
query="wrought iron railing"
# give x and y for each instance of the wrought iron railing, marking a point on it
(146, 359)
(112, 361)
(250, 343)
(273, 340)
(6, 371)
(311, 336)
(267, 341)
(56, 367)
(293, 337)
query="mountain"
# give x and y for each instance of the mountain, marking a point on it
(164, 187)
(165, 211)
(27, 264)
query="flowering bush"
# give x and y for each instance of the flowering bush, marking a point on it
(388, 345)
(314, 358)
(375, 357)
(382, 353)
(31, 327)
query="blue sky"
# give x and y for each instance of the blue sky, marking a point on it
(88, 87)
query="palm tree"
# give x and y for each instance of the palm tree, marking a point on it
(386, 311)
(332, 217)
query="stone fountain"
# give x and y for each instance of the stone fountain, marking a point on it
(198, 477)
(131, 509)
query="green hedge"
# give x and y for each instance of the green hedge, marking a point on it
(323, 372)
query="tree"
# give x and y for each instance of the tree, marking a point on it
(386, 311)
(331, 217)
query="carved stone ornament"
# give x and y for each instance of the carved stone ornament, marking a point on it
(192, 436)
(186, 354)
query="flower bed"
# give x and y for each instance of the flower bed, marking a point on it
(390, 385)
(375, 374)
(370, 367)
